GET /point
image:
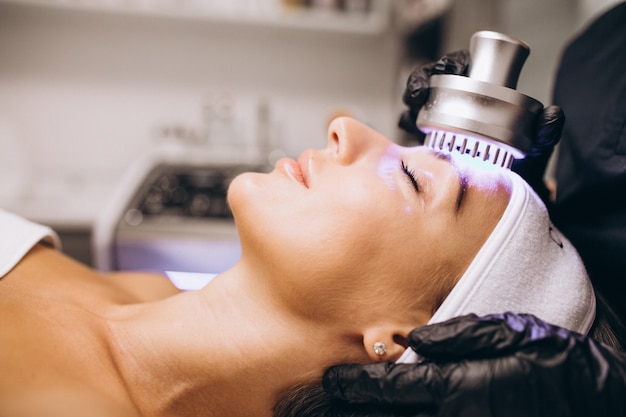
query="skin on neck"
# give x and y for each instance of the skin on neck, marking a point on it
(227, 350)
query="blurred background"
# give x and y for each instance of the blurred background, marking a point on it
(88, 87)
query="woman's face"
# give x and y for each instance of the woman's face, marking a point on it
(364, 220)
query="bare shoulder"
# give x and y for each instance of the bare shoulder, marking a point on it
(47, 269)
(35, 384)
(53, 360)
(57, 401)
(48, 369)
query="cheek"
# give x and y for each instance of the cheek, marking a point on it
(321, 249)
(343, 230)
(335, 236)
(322, 229)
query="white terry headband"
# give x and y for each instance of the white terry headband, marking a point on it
(525, 266)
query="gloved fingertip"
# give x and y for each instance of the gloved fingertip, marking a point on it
(469, 336)
(343, 381)
(553, 113)
(456, 63)
(436, 336)
(549, 131)
(416, 92)
(407, 123)
(330, 381)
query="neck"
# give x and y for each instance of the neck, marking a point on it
(226, 350)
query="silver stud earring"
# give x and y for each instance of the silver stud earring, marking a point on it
(380, 348)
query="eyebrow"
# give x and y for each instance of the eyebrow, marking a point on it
(463, 181)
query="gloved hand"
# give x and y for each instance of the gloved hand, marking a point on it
(533, 166)
(498, 365)
(418, 85)
(548, 131)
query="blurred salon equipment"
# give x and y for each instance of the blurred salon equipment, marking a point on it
(170, 214)
(482, 115)
(170, 211)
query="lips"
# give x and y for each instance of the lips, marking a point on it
(292, 169)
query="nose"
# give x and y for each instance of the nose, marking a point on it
(349, 140)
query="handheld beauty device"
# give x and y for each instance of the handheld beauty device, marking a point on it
(482, 115)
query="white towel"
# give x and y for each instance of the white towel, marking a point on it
(189, 281)
(18, 236)
(525, 266)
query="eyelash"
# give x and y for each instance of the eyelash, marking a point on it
(411, 176)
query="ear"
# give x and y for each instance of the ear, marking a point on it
(393, 338)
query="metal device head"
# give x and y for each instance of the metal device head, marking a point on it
(483, 115)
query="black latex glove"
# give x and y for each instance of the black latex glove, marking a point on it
(500, 365)
(548, 131)
(418, 85)
(532, 168)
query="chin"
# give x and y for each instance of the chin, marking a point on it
(243, 188)
(252, 203)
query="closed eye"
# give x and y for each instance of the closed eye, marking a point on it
(410, 174)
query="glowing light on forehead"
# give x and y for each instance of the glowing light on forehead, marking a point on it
(470, 165)
(475, 162)
(459, 160)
